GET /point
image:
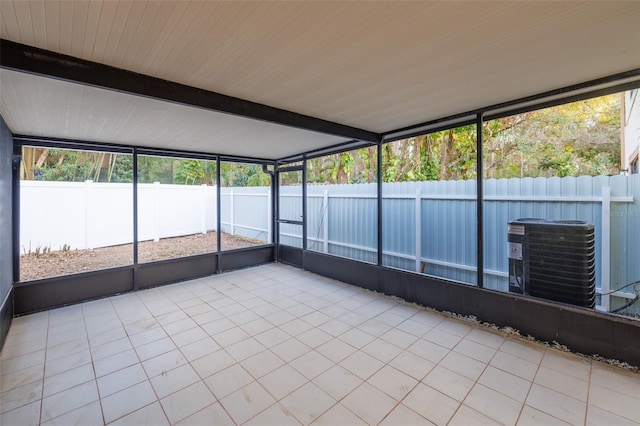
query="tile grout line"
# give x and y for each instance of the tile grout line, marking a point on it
(586, 408)
(524, 403)
(81, 309)
(399, 402)
(255, 380)
(384, 364)
(141, 366)
(277, 401)
(486, 366)
(95, 375)
(93, 367)
(189, 362)
(44, 367)
(158, 399)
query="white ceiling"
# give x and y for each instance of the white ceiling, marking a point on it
(377, 66)
(66, 110)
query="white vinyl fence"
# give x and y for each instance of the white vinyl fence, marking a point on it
(77, 215)
(81, 215)
(246, 212)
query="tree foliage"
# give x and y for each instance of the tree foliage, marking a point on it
(580, 138)
(243, 174)
(75, 166)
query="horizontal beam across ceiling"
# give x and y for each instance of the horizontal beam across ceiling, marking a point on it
(23, 58)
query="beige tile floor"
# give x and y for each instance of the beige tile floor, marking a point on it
(276, 345)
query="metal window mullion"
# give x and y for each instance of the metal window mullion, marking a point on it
(304, 205)
(15, 209)
(276, 211)
(218, 212)
(135, 219)
(479, 203)
(379, 200)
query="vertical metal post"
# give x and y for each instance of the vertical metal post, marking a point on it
(379, 186)
(304, 206)
(15, 209)
(479, 203)
(269, 216)
(605, 278)
(135, 219)
(218, 210)
(275, 197)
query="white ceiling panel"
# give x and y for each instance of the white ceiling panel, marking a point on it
(377, 66)
(65, 110)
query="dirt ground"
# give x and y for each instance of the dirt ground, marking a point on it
(36, 266)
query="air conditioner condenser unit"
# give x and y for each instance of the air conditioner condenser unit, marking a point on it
(553, 260)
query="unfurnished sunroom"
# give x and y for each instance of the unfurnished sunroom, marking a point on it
(474, 158)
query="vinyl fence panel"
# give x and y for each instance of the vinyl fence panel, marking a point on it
(246, 211)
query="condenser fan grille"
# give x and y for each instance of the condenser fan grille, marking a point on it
(559, 260)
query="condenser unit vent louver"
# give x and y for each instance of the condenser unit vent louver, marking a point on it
(553, 260)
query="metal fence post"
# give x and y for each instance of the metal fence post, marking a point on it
(479, 203)
(156, 211)
(269, 217)
(605, 278)
(231, 211)
(203, 210)
(325, 220)
(88, 187)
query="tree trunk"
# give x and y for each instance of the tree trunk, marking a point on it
(446, 147)
(26, 172)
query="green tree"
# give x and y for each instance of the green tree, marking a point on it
(445, 155)
(75, 166)
(155, 169)
(243, 174)
(258, 177)
(195, 172)
(579, 138)
(122, 170)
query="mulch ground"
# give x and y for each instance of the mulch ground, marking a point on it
(36, 266)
